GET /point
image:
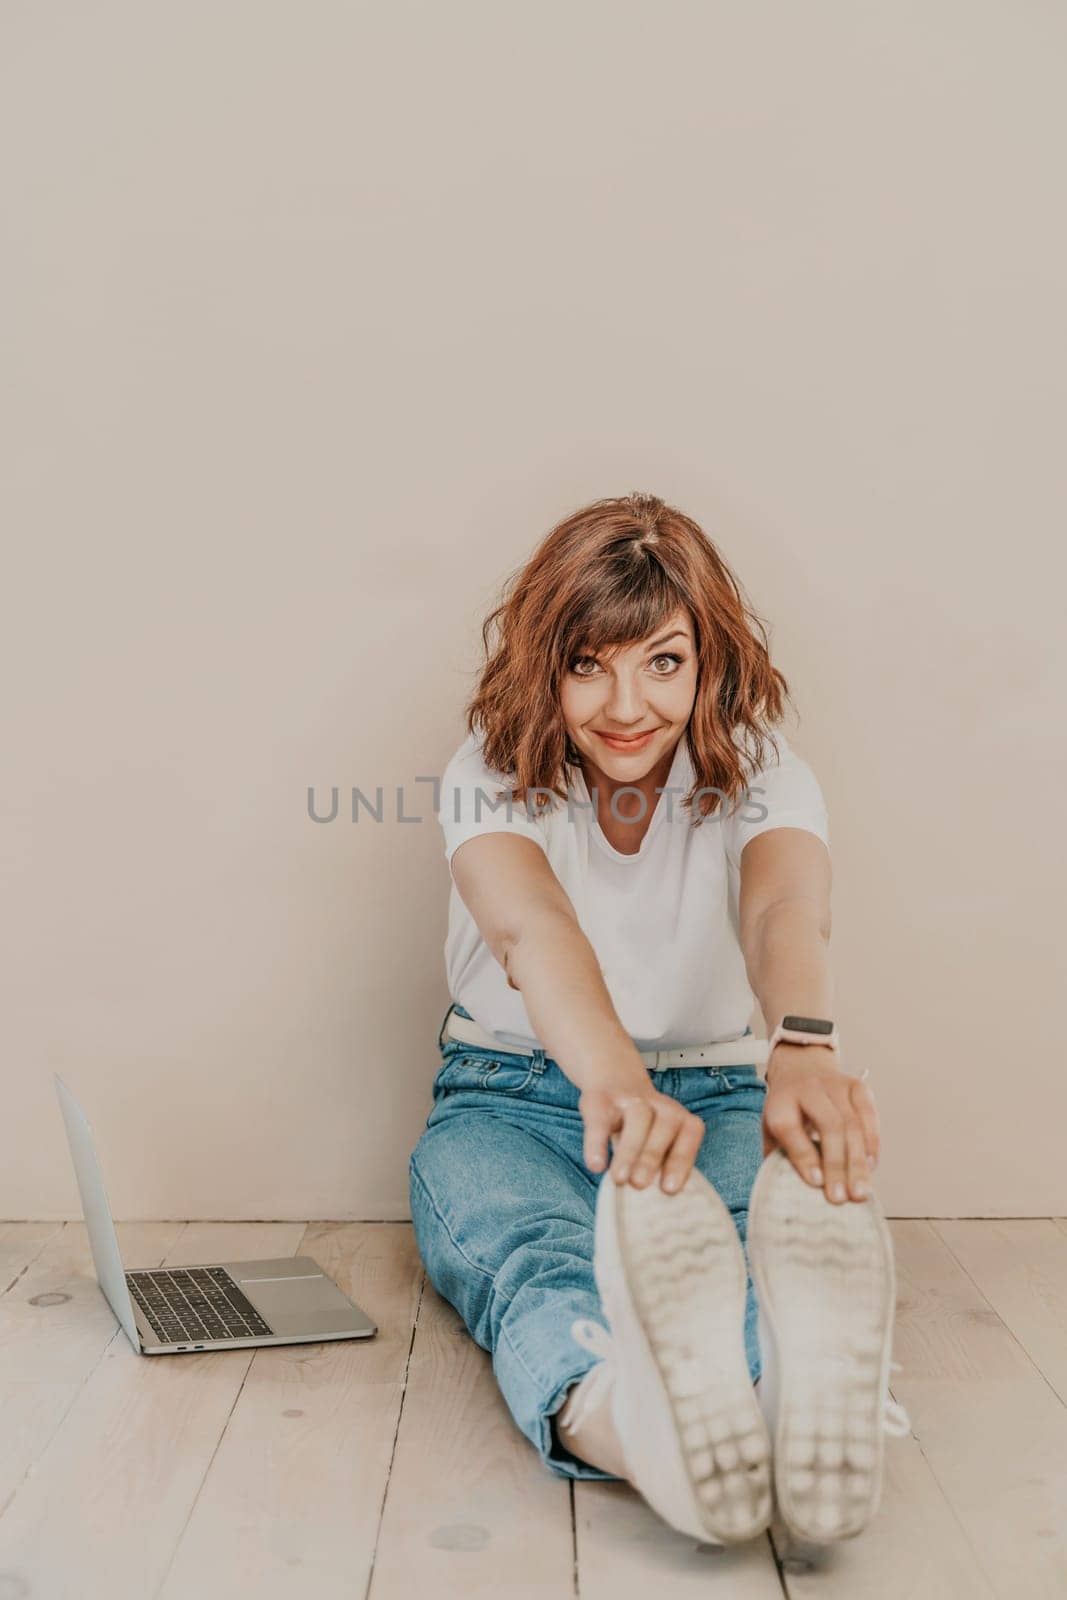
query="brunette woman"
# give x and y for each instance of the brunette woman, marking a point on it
(637, 856)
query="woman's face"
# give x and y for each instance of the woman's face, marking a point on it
(645, 689)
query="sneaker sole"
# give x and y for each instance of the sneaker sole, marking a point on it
(826, 1283)
(687, 1278)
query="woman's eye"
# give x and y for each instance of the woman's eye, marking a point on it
(581, 662)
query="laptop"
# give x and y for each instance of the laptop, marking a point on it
(223, 1305)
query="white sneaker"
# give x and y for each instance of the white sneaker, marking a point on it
(671, 1276)
(826, 1289)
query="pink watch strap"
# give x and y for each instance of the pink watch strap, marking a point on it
(791, 1036)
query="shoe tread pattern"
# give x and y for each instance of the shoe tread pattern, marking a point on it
(688, 1278)
(825, 1278)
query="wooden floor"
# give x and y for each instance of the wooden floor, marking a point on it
(390, 1468)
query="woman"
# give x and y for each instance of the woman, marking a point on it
(635, 859)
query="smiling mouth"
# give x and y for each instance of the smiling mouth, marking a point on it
(625, 739)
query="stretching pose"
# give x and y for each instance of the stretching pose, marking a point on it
(638, 855)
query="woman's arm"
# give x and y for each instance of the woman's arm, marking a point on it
(784, 916)
(526, 918)
(528, 922)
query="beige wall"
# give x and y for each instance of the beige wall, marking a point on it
(315, 319)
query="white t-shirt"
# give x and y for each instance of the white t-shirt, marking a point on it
(663, 922)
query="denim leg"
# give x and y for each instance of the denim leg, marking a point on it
(505, 1224)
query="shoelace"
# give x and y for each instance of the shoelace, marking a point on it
(595, 1383)
(896, 1420)
(593, 1336)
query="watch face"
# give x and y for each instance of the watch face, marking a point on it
(808, 1024)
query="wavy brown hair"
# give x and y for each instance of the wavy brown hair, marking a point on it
(605, 577)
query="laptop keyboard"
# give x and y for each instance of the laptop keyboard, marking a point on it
(192, 1304)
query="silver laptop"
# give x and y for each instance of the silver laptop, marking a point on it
(225, 1305)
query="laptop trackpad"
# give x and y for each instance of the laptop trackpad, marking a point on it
(298, 1298)
(320, 1323)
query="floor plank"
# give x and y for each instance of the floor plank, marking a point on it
(55, 1327)
(1020, 1267)
(992, 1429)
(119, 1476)
(21, 1243)
(471, 1509)
(913, 1547)
(291, 1502)
(379, 1467)
(626, 1552)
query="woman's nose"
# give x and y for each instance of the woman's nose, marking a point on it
(626, 701)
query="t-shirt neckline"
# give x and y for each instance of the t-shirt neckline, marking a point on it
(673, 778)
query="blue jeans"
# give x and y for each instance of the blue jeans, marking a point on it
(503, 1208)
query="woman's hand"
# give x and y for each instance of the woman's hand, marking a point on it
(651, 1133)
(805, 1085)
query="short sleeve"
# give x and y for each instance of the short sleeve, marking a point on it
(474, 800)
(784, 793)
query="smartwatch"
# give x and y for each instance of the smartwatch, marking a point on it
(804, 1030)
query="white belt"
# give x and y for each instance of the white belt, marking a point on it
(741, 1052)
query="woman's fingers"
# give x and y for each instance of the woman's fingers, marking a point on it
(837, 1114)
(598, 1118)
(784, 1121)
(820, 1107)
(637, 1115)
(828, 1128)
(657, 1136)
(858, 1177)
(648, 1158)
(683, 1153)
(842, 1141)
(672, 1122)
(863, 1103)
